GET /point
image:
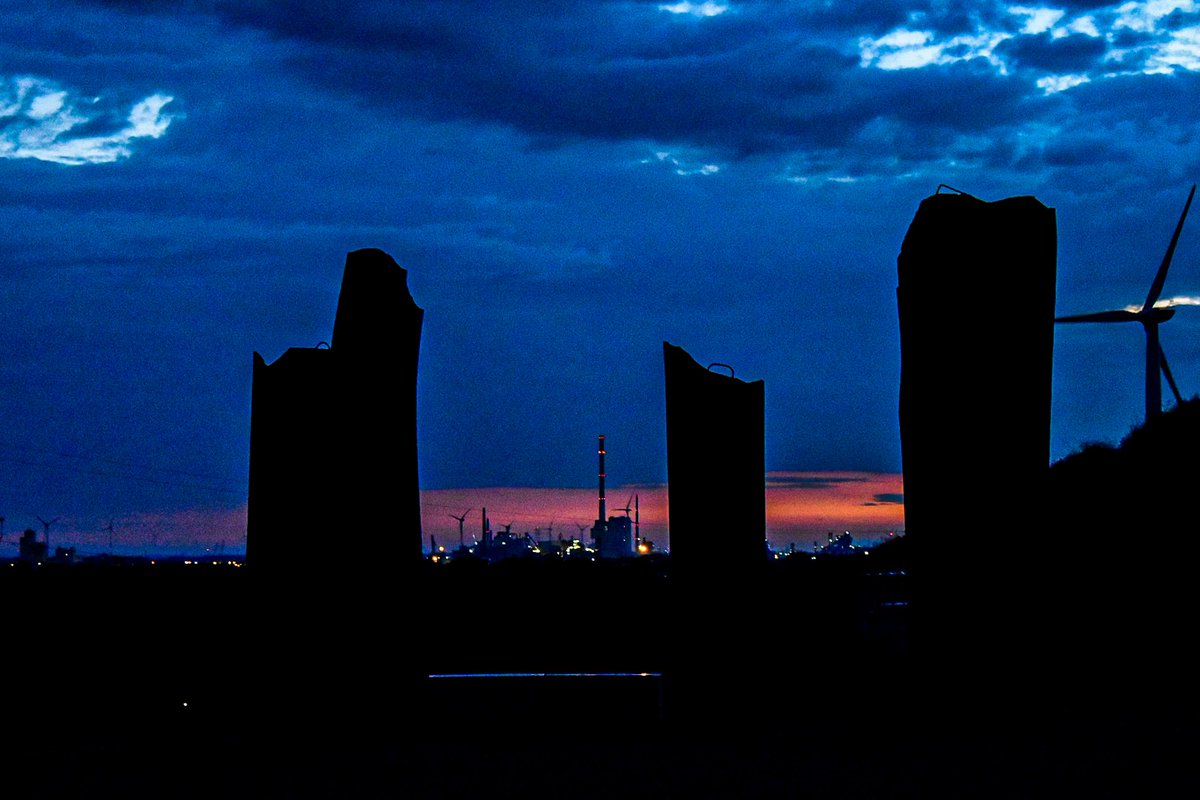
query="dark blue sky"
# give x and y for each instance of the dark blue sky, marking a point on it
(568, 184)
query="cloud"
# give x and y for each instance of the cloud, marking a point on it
(834, 93)
(1169, 302)
(913, 49)
(1046, 52)
(39, 121)
(810, 481)
(681, 167)
(705, 9)
(1037, 20)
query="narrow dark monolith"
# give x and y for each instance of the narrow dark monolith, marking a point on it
(976, 303)
(716, 468)
(717, 494)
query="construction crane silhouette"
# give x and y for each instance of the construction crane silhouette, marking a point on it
(461, 540)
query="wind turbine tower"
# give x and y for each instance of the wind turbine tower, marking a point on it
(1150, 316)
(461, 538)
(46, 531)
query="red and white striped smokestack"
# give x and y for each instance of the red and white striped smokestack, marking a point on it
(602, 516)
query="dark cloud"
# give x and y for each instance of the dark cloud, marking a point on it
(1179, 19)
(810, 481)
(1147, 102)
(759, 78)
(890, 498)
(1083, 150)
(1128, 37)
(1076, 53)
(739, 92)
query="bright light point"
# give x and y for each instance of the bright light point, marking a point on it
(705, 9)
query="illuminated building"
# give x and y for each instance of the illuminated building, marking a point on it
(613, 536)
(616, 541)
(333, 440)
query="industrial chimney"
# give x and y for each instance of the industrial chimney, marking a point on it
(603, 510)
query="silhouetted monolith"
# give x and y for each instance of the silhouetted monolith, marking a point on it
(716, 474)
(976, 303)
(334, 520)
(716, 469)
(333, 439)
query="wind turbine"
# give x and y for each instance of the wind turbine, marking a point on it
(626, 508)
(46, 529)
(461, 541)
(1150, 317)
(109, 528)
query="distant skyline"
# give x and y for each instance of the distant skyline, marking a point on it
(801, 507)
(568, 185)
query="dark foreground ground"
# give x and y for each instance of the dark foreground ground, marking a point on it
(163, 685)
(567, 749)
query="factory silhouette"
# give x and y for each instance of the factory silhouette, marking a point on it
(978, 633)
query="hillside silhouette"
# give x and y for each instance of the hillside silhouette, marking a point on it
(1118, 554)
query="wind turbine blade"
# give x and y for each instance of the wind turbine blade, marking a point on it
(1120, 315)
(1162, 361)
(1161, 277)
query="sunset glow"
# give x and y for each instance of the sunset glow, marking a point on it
(801, 506)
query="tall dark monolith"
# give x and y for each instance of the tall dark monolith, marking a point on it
(333, 436)
(976, 302)
(716, 469)
(716, 489)
(334, 518)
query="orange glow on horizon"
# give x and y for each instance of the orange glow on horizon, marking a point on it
(801, 507)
